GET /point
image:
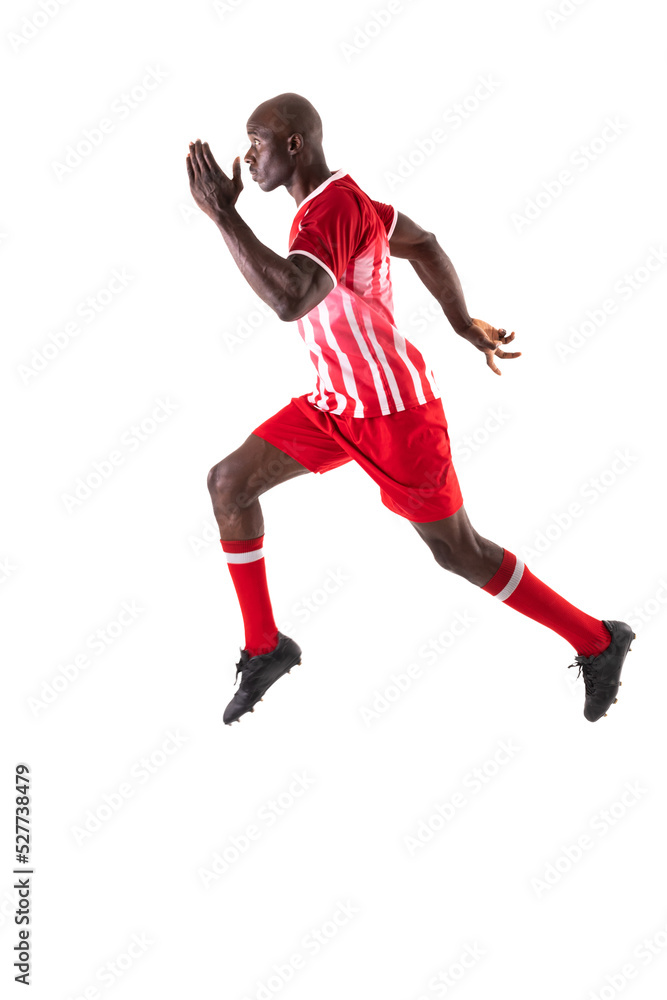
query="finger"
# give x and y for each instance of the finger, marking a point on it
(191, 172)
(236, 173)
(508, 354)
(193, 160)
(490, 362)
(199, 157)
(507, 339)
(208, 157)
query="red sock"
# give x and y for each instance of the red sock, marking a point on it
(245, 559)
(515, 585)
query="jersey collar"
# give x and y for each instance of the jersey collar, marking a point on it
(320, 189)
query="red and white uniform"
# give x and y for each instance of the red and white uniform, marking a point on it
(365, 367)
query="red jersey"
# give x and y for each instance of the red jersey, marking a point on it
(365, 367)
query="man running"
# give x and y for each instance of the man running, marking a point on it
(375, 401)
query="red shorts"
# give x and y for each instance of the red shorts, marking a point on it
(406, 453)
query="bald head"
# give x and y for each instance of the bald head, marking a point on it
(285, 136)
(286, 114)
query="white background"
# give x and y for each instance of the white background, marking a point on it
(145, 535)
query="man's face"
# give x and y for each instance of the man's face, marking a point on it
(267, 157)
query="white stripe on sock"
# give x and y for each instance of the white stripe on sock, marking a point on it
(512, 583)
(245, 557)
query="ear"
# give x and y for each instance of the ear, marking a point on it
(295, 143)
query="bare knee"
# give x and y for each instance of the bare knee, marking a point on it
(470, 557)
(228, 486)
(449, 557)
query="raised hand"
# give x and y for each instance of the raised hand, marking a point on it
(211, 188)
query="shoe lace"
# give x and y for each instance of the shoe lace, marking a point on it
(584, 662)
(239, 667)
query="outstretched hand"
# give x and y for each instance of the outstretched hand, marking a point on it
(487, 338)
(211, 188)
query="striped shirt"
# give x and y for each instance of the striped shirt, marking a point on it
(365, 367)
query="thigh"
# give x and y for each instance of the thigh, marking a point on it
(301, 432)
(257, 465)
(408, 455)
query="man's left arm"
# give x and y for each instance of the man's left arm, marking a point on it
(290, 286)
(436, 271)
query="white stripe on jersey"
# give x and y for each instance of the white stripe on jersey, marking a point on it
(362, 274)
(363, 347)
(399, 344)
(393, 225)
(343, 360)
(364, 271)
(385, 292)
(431, 381)
(382, 358)
(322, 367)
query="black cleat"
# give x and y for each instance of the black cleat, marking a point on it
(258, 673)
(602, 672)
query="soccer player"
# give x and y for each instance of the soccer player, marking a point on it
(375, 401)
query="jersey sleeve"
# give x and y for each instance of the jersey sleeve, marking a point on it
(388, 214)
(331, 231)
